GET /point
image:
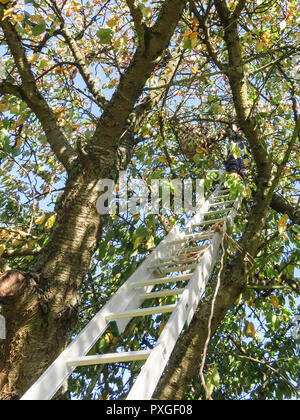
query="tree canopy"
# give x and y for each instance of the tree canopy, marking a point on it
(92, 88)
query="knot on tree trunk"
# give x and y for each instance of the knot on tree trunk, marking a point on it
(12, 284)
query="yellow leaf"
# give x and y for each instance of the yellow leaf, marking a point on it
(31, 244)
(282, 226)
(266, 38)
(247, 192)
(162, 159)
(109, 338)
(187, 34)
(195, 23)
(161, 327)
(40, 219)
(147, 12)
(250, 331)
(22, 234)
(36, 18)
(33, 58)
(4, 233)
(50, 221)
(8, 12)
(20, 120)
(112, 22)
(150, 242)
(138, 242)
(2, 249)
(259, 46)
(274, 301)
(194, 35)
(136, 217)
(17, 18)
(19, 141)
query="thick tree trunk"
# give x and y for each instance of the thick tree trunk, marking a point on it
(40, 320)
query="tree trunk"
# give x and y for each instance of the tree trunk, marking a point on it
(41, 319)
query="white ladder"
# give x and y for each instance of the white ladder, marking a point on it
(174, 254)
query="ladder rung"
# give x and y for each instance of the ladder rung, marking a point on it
(194, 237)
(179, 268)
(187, 259)
(191, 249)
(141, 312)
(217, 211)
(98, 359)
(162, 280)
(221, 203)
(208, 222)
(162, 293)
(176, 266)
(166, 263)
(180, 256)
(220, 196)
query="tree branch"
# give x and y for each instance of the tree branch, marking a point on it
(79, 59)
(103, 145)
(281, 205)
(83, 68)
(146, 105)
(35, 101)
(137, 17)
(22, 252)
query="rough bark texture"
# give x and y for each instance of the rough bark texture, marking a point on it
(40, 320)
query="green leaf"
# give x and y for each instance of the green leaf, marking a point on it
(3, 136)
(105, 35)
(235, 150)
(139, 240)
(39, 28)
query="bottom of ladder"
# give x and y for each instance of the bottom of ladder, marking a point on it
(99, 359)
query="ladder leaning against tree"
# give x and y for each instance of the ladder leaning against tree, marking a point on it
(192, 253)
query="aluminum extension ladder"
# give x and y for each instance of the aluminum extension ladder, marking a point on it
(175, 254)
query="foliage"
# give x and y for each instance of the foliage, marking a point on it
(253, 355)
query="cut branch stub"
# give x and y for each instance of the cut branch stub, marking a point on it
(12, 285)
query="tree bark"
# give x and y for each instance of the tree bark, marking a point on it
(40, 320)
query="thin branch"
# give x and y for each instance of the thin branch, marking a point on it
(29, 92)
(22, 252)
(244, 355)
(83, 68)
(137, 17)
